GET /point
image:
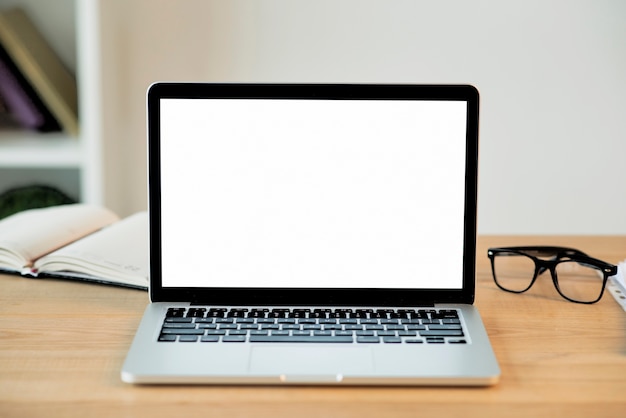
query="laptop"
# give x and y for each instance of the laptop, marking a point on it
(317, 234)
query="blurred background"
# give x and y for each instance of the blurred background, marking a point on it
(552, 77)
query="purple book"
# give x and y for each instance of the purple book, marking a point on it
(21, 100)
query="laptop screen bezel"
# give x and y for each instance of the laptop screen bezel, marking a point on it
(312, 296)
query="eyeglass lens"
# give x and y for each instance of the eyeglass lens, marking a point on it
(579, 281)
(576, 281)
(514, 272)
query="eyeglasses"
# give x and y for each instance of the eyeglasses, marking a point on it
(576, 276)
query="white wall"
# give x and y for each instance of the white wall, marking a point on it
(552, 74)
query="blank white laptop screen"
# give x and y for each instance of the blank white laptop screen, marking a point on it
(312, 193)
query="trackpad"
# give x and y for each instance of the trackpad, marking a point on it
(311, 360)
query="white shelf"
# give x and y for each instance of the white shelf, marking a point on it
(31, 149)
(71, 164)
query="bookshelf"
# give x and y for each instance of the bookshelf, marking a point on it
(70, 163)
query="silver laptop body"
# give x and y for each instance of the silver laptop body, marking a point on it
(312, 234)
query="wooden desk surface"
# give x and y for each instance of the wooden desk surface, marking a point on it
(62, 345)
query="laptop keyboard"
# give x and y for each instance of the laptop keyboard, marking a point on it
(313, 325)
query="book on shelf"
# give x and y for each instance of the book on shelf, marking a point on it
(77, 241)
(40, 67)
(21, 103)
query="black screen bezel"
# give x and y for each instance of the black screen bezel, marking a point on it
(312, 296)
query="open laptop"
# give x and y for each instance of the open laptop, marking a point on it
(312, 234)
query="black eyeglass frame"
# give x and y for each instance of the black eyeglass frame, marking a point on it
(558, 255)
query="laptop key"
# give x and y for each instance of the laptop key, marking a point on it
(445, 326)
(448, 313)
(299, 313)
(178, 319)
(237, 313)
(183, 331)
(375, 327)
(175, 312)
(341, 313)
(258, 313)
(442, 333)
(407, 311)
(167, 338)
(210, 339)
(179, 325)
(188, 338)
(367, 339)
(362, 313)
(196, 312)
(298, 339)
(278, 313)
(320, 313)
(216, 312)
(382, 313)
(234, 339)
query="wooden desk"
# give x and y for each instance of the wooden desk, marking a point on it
(62, 345)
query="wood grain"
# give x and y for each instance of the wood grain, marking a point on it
(62, 345)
